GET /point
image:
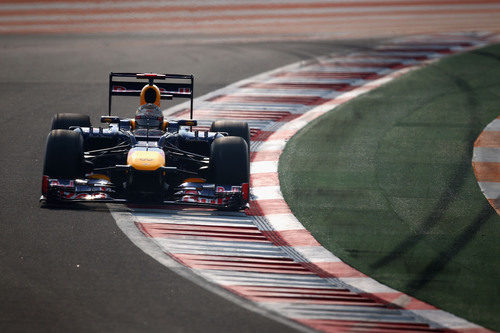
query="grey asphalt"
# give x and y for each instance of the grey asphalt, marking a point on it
(73, 269)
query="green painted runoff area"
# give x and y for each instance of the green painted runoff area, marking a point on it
(385, 182)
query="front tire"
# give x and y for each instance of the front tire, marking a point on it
(66, 120)
(64, 155)
(229, 162)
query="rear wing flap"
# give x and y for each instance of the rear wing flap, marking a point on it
(170, 85)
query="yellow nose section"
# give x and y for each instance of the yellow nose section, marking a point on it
(146, 160)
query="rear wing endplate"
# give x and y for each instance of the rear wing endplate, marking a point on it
(174, 86)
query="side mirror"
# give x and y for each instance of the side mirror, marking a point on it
(110, 119)
(187, 122)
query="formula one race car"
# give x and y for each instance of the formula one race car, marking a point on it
(147, 159)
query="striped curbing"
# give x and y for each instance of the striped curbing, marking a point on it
(486, 162)
(264, 255)
(193, 21)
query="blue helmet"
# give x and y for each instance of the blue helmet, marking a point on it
(148, 116)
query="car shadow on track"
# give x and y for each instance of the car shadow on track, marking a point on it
(136, 207)
(74, 206)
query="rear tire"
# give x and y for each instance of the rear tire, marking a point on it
(66, 120)
(232, 128)
(229, 162)
(64, 155)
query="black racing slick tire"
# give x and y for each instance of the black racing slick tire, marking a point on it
(229, 162)
(64, 155)
(232, 128)
(66, 120)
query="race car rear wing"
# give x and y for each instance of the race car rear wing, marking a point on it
(177, 86)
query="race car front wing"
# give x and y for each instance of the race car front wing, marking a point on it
(101, 190)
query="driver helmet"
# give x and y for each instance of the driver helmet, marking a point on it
(148, 116)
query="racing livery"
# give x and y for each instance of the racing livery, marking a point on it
(147, 159)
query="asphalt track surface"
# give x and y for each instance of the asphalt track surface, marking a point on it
(73, 269)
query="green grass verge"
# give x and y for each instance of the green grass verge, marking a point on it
(385, 182)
